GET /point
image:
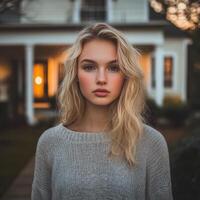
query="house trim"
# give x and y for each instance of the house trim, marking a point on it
(72, 26)
(29, 58)
(76, 12)
(146, 9)
(159, 75)
(109, 10)
(184, 88)
(68, 37)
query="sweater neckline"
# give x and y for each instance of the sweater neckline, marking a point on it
(83, 136)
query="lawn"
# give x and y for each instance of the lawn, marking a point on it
(17, 146)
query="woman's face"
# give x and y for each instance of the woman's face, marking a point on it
(98, 69)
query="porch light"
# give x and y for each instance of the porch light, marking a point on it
(38, 80)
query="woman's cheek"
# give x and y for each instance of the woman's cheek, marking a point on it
(117, 84)
(84, 82)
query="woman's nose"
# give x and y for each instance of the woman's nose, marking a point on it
(101, 77)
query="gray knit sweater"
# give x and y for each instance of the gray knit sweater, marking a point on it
(73, 165)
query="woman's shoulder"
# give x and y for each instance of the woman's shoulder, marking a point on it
(153, 137)
(49, 135)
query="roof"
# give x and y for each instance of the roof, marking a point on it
(168, 28)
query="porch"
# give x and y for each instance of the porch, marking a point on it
(33, 63)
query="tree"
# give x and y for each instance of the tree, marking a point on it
(185, 14)
(12, 10)
(10, 5)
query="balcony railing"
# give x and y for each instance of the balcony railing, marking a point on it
(92, 14)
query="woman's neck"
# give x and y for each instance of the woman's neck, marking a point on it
(95, 119)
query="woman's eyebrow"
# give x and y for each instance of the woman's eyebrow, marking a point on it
(87, 60)
(113, 61)
(92, 61)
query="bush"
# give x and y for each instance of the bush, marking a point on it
(185, 167)
(193, 122)
(175, 110)
(3, 114)
(172, 100)
(152, 112)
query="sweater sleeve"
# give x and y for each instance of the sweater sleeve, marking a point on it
(41, 186)
(158, 169)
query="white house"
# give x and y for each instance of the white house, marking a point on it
(33, 48)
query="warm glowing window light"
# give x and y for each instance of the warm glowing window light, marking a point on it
(38, 77)
(38, 80)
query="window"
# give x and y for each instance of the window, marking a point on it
(168, 71)
(92, 10)
(10, 11)
(40, 86)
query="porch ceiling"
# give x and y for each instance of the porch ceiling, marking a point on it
(45, 51)
(40, 51)
(145, 48)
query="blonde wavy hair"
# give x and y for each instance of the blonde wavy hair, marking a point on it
(126, 119)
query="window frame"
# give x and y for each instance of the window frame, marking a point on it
(174, 70)
(173, 55)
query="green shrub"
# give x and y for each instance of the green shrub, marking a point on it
(175, 110)
(172, 100)
(185, 167)
(152, 111)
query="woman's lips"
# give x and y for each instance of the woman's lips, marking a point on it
(101, 94)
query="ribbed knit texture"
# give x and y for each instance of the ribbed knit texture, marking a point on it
(73, 165)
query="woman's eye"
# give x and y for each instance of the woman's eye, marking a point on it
(114, 68)
(88, 67)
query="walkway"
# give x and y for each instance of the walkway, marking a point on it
(21, 187)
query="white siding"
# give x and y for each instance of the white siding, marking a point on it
(61, 11)
(47, 11)
(128, 11)
(177, 49)
(68, 36)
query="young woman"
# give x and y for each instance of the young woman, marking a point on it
(101, 148)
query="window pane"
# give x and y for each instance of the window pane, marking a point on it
(39, 83)
(168, 71)
(93, 10)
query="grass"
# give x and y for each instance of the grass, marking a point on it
(17, 146)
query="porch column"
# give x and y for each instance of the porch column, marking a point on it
(159, 75)
(76, 11)
(109, 10)
(29, 60)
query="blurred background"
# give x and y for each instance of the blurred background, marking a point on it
(34, 37)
